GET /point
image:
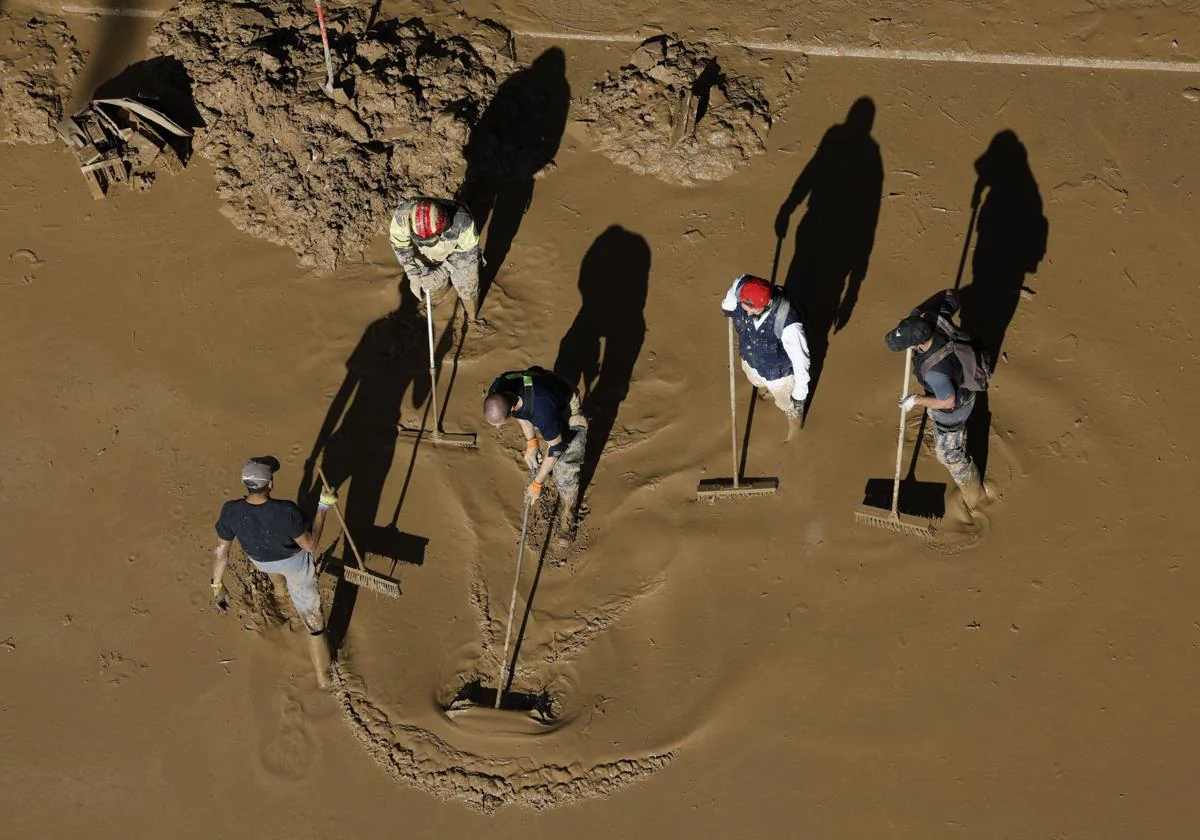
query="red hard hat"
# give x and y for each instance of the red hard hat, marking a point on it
(756, 292)
(429, 218)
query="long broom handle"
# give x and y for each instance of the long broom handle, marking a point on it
(437, 423)
(325, 45)
(512, 604)
(342, 521)
(900, 436)
(733, 407)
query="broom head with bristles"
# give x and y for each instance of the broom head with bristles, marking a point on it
(711, 489)
(912, 526)
(369, 580)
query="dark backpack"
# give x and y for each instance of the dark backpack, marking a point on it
(974, 361)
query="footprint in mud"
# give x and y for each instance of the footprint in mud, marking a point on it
(289, 751)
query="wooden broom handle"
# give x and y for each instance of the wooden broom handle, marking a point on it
(342, 521)
(733, 406)
(900, 436)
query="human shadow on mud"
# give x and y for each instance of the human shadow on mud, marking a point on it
(357, 442)
(601, 347)
(843, 184)
(516, 137)
(1011, 237)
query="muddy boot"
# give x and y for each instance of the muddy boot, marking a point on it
(795, 424)
(976, 493)
(565, 532)
(471, 305)
(318, 651)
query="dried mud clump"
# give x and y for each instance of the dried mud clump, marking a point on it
(39, 63)
(673, 113)
(298, 168)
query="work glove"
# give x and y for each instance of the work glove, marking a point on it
(328, 499)
(534, 492)
(908, 402)
(798, 407)
(532, 455)
(220, 601)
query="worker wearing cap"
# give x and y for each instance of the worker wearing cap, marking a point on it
(278, 541)
(945, 395)
(772, 344)
(544, 403)
(436, 244)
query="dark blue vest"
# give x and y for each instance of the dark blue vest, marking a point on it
(759, 346)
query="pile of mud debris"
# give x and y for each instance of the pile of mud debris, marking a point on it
(318, 175)
(39, 63)
(673, 113)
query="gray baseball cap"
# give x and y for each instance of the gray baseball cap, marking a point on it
(258, 471)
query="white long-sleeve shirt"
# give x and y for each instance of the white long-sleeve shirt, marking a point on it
(795, 343)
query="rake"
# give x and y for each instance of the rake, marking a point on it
(711, 489)
(360, 576)
(892, 519)
(439, 438)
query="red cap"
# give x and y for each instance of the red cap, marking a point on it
(756, 292)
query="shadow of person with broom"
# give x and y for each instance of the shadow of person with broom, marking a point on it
(1011, 237)
(357, 442)
(517, 136)
(843, 184)
(600, 349)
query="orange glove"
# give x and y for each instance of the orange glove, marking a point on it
(534, 491)
(531, 454)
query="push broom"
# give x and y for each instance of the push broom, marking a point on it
(711, 489)
(892, 519)
(439, 438)
(360, 576)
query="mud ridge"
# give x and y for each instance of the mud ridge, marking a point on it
(319, 174)
(418, 758)
(673, 112)
(39, 63)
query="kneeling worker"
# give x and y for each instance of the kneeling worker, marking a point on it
(771, 342)
(278, 541)
(436, 244)
(546, 404)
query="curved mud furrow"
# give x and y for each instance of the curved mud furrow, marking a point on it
(419, 758)
(316, 174)
(39, 63)
(674, 113)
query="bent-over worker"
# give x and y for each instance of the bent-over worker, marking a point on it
(279, 541)
(544, 403)
(436, 244)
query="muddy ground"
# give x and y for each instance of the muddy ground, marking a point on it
(736, 670)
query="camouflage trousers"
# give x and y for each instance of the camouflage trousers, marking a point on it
(567, 467)
(463, 277)
(949, 446)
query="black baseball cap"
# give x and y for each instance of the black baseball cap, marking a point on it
(911, 331)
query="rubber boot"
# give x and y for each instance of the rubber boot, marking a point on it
(471, 304)
(795, 424)
(318, 651)
(566, 518)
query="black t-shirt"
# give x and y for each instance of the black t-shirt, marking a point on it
(267, 532)
(548, 407)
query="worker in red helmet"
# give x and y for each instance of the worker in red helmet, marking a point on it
(772, 344)
(437, 245)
